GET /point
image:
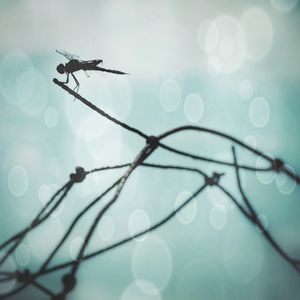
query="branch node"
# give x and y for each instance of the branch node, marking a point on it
(153, 141)
(69, 282)
(214, 179)
(23, 276)
(277, 164)
(79, 176)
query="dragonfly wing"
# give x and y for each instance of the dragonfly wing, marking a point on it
(67, 55)
(95, 61)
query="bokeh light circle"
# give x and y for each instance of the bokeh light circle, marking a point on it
(245, 89)
(51, 117)
(58, 210)
(44, 193)
(259, 33)
(214, 66)
(226, 47)
(259, 112)
(170, 95)
(18, 181)
(193, 108)
(89, 148)
(138, 221)
(152, 262)
(285, 184)
(81, 121)
(207, 36)
(230, 50)
(265, 177)
(218, 216)
(23, 255)
(187, 214)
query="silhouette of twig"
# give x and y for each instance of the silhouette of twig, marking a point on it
(253, 217)
(26, 277)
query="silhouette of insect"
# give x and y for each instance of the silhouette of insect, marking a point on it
(74, 65)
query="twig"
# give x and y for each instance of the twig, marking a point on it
(25, 278)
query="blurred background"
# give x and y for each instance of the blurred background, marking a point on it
(228, 65)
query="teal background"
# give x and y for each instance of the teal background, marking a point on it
(214, 253)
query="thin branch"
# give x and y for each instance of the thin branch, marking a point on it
(128, 239)
(69, 280)
(71, 227)
(254, 219)
(98, 110)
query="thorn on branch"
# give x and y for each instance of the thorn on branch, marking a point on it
(79, 176)
(152, 141)
(277, 164)
(214, 179)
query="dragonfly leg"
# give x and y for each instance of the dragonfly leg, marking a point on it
(76, 81)
(67, 81)
(76, 89)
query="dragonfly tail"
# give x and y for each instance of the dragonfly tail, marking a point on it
(111, 71)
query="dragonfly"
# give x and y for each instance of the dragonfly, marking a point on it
(74, 65)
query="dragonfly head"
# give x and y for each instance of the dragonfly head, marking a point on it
(61, 69)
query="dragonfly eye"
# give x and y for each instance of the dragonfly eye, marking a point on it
(60, 69)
